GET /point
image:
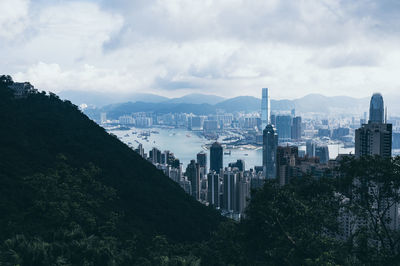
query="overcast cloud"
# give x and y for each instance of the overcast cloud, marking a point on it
(225, 47)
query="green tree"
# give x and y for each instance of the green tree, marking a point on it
(372, 187)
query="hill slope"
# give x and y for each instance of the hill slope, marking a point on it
(60, 170)
(197, 98)
(99, 99)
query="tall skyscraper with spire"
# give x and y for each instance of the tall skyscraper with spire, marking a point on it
(270, 145)
(374, 138)
(376, 109)
(265, 108)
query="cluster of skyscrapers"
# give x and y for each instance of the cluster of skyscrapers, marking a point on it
(228, 188)
(373, 138)
(225, 188)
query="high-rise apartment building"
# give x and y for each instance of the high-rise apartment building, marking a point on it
(270, 145)
(272, 119)
(155, 155)
(213, 189)
(374, 138)
(322, 152)
(230, 193)
(286, 160)
(310, 148)
(202, 161)
(243, 195)
(216, 157)
(284, 126)
(265, 108)
(193, 175)
(296, 128)
(140, 150)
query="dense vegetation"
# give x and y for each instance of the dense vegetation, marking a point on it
(298, 224)
(71, 194)
(66, 185)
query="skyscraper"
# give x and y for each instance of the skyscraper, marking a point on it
(230, 190)
(296, 128)
(270, 144)
(286, 159)
(155, 155)
(322, 152)
(265, 108)
(216, 157)
(193, 174)
(272, 119)
(284, 126)
(310, 148)
(243, 195)
(374, 138)
(202, 161)
(376, 109)
(213, 189)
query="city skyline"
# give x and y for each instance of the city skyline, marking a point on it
(328, 47)
(186, 132)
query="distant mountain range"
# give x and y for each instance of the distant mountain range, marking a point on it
(197, 98)
(98, 99)
(203, 104)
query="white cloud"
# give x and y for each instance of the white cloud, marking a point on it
(13, 18)
(51, 77)
(224, 47)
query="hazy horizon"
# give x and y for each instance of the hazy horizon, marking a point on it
(226, 48)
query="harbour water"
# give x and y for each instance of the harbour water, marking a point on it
(186, 144)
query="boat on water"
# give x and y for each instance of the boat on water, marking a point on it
(188, 135)
(246, 154)
(227, 153)
(146, 133)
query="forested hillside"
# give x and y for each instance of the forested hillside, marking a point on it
(67, 183)
(71, 194)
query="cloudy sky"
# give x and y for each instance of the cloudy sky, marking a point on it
(223, 47)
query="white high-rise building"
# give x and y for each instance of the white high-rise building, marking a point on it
(265, 108)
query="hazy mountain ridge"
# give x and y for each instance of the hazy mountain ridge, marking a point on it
(197, 98)
(312, 103)
(99, 99)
